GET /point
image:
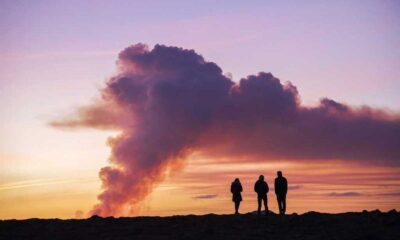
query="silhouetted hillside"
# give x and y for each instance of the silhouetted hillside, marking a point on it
(312, 225)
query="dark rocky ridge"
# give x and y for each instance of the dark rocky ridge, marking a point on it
(311, 225)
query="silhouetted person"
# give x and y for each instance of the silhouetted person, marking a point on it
(261, 188)
(236, 189)
(280, 191)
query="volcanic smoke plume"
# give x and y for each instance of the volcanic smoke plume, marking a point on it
(168, 102)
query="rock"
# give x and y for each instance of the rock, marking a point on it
(393, 211)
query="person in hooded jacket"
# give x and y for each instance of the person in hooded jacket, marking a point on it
(236, 190)
(261, 188)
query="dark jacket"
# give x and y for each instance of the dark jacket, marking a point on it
(261, 187)
(280, 186)
(236, 189)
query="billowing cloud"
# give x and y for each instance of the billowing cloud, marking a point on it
(168, 102)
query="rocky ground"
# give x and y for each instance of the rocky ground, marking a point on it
(312, 225)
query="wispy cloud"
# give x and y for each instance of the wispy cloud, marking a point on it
(207, 196)
(394, 194)
(345, 194)
(59, 54)
(42, 182)
(295, 187)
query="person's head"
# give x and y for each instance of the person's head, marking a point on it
(279, 173)
(237, 180)
(261, 178)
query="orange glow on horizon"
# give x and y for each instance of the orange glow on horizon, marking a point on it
(203, 187)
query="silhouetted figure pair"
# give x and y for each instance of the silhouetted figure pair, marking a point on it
(236, 189)
(281, 188)
(261, 188)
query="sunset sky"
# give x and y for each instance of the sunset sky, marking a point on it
(56, 56)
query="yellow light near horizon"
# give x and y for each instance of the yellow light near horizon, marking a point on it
(316, 182)
(203, 187)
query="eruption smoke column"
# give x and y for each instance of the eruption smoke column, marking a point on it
(169, 101)
(171, 95)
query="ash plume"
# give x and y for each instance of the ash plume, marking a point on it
(168, 102)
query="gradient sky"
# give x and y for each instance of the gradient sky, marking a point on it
(56, 55)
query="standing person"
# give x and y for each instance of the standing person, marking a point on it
(280, 191)
(261, 188)
(236, 189)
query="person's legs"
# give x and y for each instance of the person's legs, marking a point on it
(237, 204)
(284, 204)
(265, 199)
(278, 199)
(279, 205)
(259, 199)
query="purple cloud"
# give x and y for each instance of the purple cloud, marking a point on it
(168, 102)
